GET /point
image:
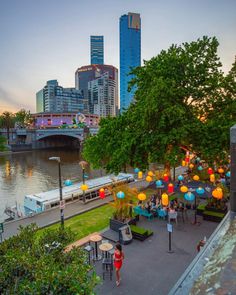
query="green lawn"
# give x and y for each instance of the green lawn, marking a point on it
(89, 222)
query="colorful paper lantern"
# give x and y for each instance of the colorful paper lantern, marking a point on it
(170, 188)
(165, 177)
(210, 171)
(191, 166)
(228, 174)
(187, 159)
(120, 195)
(140, 175)
(102, 193)
(183, 189)
(212, 178)
(159, 183)
(189, 196)
(183, 163)
(221, 170)
(68, 182)
(84, 187)
(200, 190)
(180, 178)
(148, 178)
(142, 196)
(199, 168)
(196, 177)
(217, 193)
(150, 173)
(198, 159)
(164, 199)
(136, 170)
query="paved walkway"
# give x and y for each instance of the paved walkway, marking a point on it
(52, 216)
(148, 268)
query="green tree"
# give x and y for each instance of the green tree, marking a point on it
(7, 121)
(37, 264)
(182, 100)
(2, 143)
(23, 118)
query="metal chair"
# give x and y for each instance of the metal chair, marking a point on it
(172, 215)
(107, 267)
(89, 249)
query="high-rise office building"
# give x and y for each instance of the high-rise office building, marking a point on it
(96, 50)
(103, 96)
(85, 74)
(55, 98)
(130, 54)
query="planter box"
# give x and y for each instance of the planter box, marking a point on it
(140, 234)
(213, 209)
(116, 224)
(213, 216)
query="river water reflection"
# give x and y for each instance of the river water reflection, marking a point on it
(32, 172)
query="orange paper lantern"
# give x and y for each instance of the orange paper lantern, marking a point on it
(183, 189)
(217, 193)
(191, 166)
(140, 175)
(142, 196)
(212, 178)
(84, 187)
(164, 199)
(196, 177)
(150, 173)
(183, 163)
(221, 170)
(148, 178)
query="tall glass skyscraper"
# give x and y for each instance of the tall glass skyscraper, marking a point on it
(96, 50)
(130, 54)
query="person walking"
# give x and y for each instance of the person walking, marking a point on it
(118, 259)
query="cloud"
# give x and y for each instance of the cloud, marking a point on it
(7, 101)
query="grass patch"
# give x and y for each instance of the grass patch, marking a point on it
(140, 230)
(216, 214)
(86, 223)
(201, 206)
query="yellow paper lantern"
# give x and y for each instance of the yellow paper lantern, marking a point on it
(183, 163)
(212, 178)
(191, 166)
(217, 193)
(140, 175)
(84, 187)
(196, 177)
(164, 199)
(142, 196)
(183, 189)
(221, 170)
(150, 173)
(148, 178)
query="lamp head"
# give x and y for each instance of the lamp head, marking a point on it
(58, 159)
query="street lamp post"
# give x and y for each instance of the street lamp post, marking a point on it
(83, 164)
(58, 159)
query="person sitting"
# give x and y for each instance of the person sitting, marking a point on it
(148, 206)
(172, 209)
(153, 199)
(140, 204)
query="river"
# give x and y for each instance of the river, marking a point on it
(32, 172)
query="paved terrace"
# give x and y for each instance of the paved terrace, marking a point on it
(148, 268)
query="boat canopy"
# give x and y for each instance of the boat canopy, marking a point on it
(67, 191)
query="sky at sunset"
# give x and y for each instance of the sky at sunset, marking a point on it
(49, 39)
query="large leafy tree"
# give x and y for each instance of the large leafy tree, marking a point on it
(23, 118)
(177, 94)
(2, 143)
(7, 121)
(37, 264)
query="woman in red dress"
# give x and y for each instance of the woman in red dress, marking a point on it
(118, 259)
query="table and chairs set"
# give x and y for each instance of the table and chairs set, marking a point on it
(99, 249)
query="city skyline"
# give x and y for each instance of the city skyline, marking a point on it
(40, 44)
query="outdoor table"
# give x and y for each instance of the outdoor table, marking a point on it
(96, 239)
(105, 247)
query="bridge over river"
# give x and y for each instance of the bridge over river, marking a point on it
(27, 139)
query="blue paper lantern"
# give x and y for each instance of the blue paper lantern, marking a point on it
(199, 168)
(189, 196)
(159, 183)
(200, 190)
(120, 195)
(68, 182)
(228, 174)
(180, 178)
(136, 170)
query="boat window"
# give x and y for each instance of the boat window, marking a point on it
(54, 204)
(38, 203)
(68, 200)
